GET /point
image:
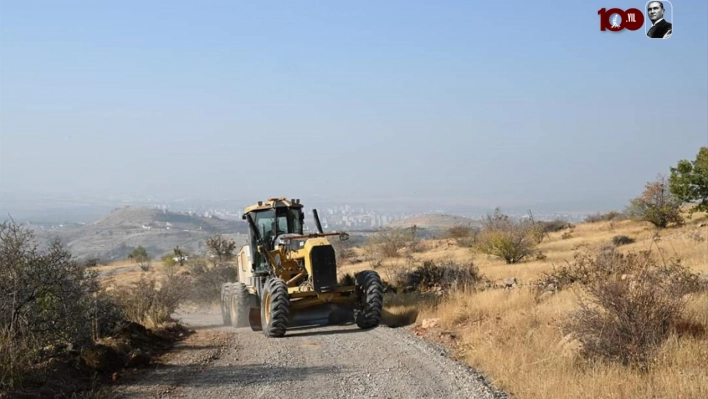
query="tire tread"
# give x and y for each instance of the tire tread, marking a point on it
(369, 315)
(280, 308)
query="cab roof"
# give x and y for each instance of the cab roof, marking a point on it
(275, 202)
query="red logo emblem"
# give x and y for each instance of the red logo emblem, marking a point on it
(616, 19)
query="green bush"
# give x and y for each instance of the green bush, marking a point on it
(657, 205)
(168, 260)
(221, 248)
(689, 181)
(48, 299)
(140, 256)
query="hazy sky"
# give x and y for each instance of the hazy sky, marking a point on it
(494, 102)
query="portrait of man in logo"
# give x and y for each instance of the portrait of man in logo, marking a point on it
(660, 28)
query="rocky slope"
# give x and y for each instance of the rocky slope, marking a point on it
(117, 233)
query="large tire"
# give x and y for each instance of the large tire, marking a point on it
(275, 308)
(240, 305)
(370, 288)
(226, 304)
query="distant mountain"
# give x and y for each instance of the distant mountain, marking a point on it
(116, 234)
(148, 218)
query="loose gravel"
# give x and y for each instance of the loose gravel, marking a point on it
(323, 362)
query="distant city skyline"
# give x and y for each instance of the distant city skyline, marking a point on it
(88, 209)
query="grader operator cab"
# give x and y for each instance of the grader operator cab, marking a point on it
(288, 278)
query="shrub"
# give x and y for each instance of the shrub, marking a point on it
(556, 225)
(150, 302)
(444, 276)
(105, 314)
(48, 299)
(622, 240)
(630, 305)
(387, 242)
(689, 181)
(343, 251)
(657, 205)
(459, 232)
(168, 260)
(180, 255)
(465, 236)
(140, 256)
(564, 276)
(346, 280)
(220, 247)
(205, 287)
(604, 217)
(588, 268)
(511, 240)
(92, 262)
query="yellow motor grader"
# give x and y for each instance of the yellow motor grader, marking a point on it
(287, 278)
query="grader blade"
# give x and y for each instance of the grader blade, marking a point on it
(324, 314)
(254, 319)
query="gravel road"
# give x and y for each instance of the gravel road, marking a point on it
(324, 362)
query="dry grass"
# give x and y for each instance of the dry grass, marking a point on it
(119, 277)
(517, 340)
(406, 309)
(519, 346)
(151, 302)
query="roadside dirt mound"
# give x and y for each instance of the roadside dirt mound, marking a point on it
(69, 371)
(133, 347)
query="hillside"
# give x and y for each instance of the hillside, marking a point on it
(511, 325)
(434, 221)
(114, 235)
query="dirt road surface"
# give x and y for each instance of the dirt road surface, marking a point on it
(324, 362)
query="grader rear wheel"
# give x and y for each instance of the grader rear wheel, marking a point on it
(226, 304)
(240, 305)
(275, 308)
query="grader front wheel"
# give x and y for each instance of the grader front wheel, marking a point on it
(275, 308)
(370, 288)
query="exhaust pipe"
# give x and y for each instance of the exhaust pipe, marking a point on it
(317, 221)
